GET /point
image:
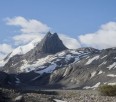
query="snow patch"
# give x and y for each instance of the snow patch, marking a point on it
(93, 74)
(57, 60)
(92, 59)
(96, 85)
(66, 72)
(93, 87)
(68, 57)
(100, 72)
(56, 100)
(2, 63)
(74, 52)
(76, 59)
(61, 53)
(111, 83)
(111, 75)
(112, 66)
(48, 69)
(87, 57)
(18, 98)
(86, 87)
(104, 56)
(103, 63)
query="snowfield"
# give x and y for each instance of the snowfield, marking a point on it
(51, 61)
(47, 70)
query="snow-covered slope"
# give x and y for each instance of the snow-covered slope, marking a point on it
(49, 62)
(2, 63)
(31, 55)
(20, 51)
(24, 49)
(58, 60)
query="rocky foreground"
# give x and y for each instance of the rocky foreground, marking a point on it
(50, 96)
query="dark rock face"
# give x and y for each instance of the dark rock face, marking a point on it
(3, 79)
(51, 44)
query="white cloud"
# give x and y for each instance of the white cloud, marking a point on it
(105, 37)
(25, 38)
(30, 29)
(4, 50)
(28, 26)
(69, 42)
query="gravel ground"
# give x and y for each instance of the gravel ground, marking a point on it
(85, 96)
(69, 96)
(65, 95)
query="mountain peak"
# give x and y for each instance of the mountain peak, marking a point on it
(51, 44)
(48, 34)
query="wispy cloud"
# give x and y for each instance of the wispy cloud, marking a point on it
(26, 38)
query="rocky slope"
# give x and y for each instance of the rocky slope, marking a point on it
(49, 64)
(89, 72)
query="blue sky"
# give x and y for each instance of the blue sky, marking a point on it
(77, 19)
(65, 16)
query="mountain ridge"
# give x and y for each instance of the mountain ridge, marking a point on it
(46, 66)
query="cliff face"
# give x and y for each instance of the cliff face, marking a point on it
(51, 44)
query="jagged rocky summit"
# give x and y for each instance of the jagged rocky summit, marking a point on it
(51, 44)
